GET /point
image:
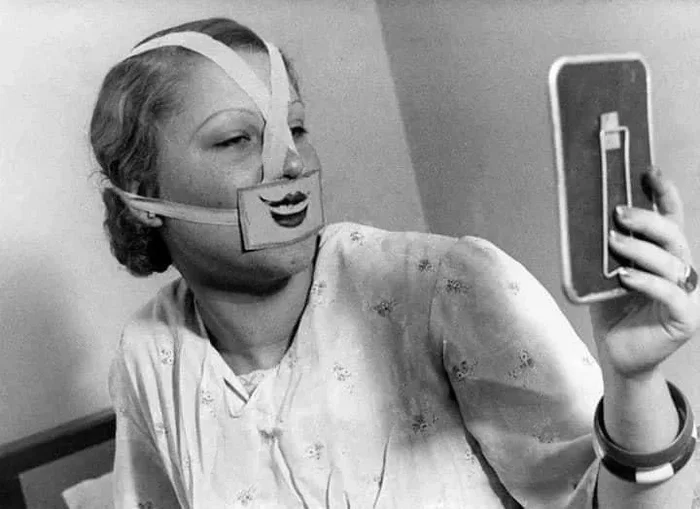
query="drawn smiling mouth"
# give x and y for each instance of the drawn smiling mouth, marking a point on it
(290, 211)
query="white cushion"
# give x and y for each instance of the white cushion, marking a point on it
(90, 494)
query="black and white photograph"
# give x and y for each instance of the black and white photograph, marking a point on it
(349, 254)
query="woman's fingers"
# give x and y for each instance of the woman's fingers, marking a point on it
(666, 195)
(682, 319)
(648, 256)
(660, 229)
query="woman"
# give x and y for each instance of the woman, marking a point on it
(296, 365)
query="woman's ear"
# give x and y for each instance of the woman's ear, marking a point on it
(147, 218)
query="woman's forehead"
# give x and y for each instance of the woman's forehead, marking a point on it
(209, 85)
(259, 63)
(207, 89)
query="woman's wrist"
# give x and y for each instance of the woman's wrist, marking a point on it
(648, 467)
(640, 414)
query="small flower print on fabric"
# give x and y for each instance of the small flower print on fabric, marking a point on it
(161, 429)
(356, 237)
(525, 359)
(314, 451)
(526, 365)
(696, 502)
(464, 370)
(545, 433)
(455, 286)
(341, 373)
(167, 357)
(317, 289)
(470, 456)
(384, 307)
(146, 505)
(207, 399)
(292, 356)
(421, 424)
(245, 497)
(317, 293)
(424, 265)
(514, 287)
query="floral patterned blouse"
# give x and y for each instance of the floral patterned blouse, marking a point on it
(426, 372)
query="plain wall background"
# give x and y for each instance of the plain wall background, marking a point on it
(63, 298)
(471, 77)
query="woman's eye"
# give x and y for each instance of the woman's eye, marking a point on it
(234, 141)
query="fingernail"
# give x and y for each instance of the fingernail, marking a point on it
(615, 236)
(624, 272)
(621, 211)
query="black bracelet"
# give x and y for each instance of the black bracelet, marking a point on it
(652, 467)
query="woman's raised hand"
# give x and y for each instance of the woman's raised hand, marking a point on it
(635, 333)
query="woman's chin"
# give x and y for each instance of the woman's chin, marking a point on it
(298, 256)
(209, 261)
(283, 261)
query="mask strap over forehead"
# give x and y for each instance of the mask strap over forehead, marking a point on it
(278, 139)
(225, 57)
(272, 103)
(272, 213)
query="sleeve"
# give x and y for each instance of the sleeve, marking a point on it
(140, 479)
(526, 385)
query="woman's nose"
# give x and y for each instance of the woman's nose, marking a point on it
(293, 165)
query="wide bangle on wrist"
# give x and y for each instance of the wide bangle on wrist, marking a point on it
(647, 468)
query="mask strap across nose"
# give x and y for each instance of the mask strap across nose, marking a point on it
(278, 140)
(272, 103)
(269, 214)
(273, 106)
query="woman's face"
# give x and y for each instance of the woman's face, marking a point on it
(208, 150)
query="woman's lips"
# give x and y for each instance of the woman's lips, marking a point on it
(289, 199)
(290, 211)
(290, 220)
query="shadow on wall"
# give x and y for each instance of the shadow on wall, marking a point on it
(471, 79)
(437, 80)
(472, 93)
(39, 332)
